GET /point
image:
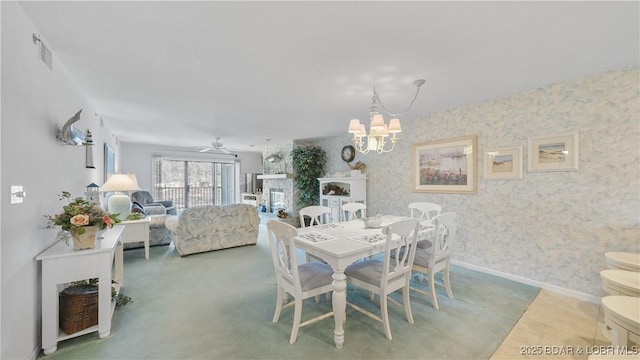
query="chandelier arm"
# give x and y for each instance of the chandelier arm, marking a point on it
(400, 113)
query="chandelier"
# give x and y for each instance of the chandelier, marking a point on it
(376, 140)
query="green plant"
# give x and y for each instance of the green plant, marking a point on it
(120, 299)
(135, 216)
(77, 214)
(308, 164)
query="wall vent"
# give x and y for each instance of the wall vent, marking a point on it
(45, 56)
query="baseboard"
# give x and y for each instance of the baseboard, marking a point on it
(35, 353)
(557, 289)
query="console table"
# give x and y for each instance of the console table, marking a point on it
(62, 264)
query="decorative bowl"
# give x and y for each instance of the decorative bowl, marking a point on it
(373, 221)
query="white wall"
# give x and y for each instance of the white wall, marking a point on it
(36, 102)
(550, 227)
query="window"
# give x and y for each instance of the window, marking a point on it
(192, 183)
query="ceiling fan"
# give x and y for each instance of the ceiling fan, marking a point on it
(217, 146)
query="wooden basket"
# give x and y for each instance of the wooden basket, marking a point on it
(78, 308)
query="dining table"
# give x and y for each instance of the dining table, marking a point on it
(340, 245)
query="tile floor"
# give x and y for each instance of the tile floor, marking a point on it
(556, 327)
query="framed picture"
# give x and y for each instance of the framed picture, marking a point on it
(445, 166)
(553, 153)
(109, 161)
(503, 164)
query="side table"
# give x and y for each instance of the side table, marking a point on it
(136, 231)
(62, 264)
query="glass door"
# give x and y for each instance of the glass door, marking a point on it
(192, 183)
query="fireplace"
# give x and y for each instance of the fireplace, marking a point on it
(276, 200)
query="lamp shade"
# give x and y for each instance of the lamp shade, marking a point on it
(119, 182)
(354, 126)
(394, 126)
(134, 178)
(377, 122)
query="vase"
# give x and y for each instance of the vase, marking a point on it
(87, 240)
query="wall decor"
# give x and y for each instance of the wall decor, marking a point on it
(503, 164)
(553, 153)
(446, 166)
(348, 153)
(109, 162)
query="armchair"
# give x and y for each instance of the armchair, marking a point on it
(158, 213)
(146, 200)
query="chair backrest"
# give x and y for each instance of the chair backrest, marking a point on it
(424, 210)
(318, 215)
(141, 196)
(350, 211)
(283, 251)
(398, 261)
(445, 225)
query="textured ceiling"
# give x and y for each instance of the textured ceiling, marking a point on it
(183, 73)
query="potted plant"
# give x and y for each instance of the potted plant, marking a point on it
(282, 213)
(80, 220)
(308, 164)
(357, 168)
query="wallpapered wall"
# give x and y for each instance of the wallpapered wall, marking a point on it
(551, 227)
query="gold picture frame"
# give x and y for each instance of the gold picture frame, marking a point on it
(503, 163)
(554, 153)
(446, 166)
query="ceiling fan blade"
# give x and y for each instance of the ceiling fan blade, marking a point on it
(226, 151)
(205, 150)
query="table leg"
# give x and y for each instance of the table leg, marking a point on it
(104, 297)
(146, 241)
(49, 311)
(118, 260)
(339, 303)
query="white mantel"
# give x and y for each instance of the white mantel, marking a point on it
(276, 176)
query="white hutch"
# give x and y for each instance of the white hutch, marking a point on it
(337, 191)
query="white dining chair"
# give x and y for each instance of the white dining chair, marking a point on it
(300, 281)
(318, 214)
(437, 258)
(424, 210)
(392, 273)
(353, 211)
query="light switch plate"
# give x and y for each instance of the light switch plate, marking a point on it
(17, 194)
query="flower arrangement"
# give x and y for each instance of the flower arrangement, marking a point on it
(359, 165)
(77, 214)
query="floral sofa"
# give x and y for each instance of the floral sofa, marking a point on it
(206, 228)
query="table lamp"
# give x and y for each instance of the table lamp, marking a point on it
(119, 203)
